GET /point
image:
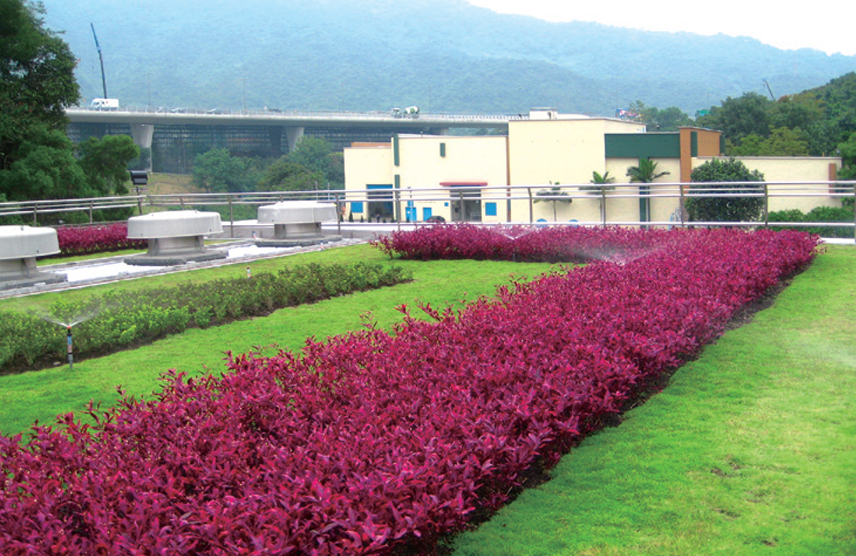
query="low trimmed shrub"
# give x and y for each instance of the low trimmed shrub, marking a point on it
(521, 243)
(120, 319)
(817, 214)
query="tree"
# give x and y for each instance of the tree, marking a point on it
(105, 163)
(311, 153)
(781, 142)
(646, 172)
(725, 209)
(316, 155)
(739, 117)
(601, 184)
(784, 142)
(36, 79)
(284, 175)
(44, 168)
(601, 180)
(37, 160)
(847, 151)
(669, 119)
(217, 171)
(553, 195)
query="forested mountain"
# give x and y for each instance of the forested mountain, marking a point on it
(441, 55)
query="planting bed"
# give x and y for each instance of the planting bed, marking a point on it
(86, 240)
(375, 442)
(120, 320)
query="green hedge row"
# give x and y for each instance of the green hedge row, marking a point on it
(119, 320)
(818, 214)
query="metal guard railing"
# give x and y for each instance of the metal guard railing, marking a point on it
(680, 192)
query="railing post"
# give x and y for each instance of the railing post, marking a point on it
(766, 205)
(90, 212)
(397, 214)
(531, 208)
(35, 214)
(603, 205)
(508, 204)
(681, 204)
(231, 218)
(339, 216)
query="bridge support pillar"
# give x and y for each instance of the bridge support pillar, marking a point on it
(142, 135)
(294, 135)
(276, 139)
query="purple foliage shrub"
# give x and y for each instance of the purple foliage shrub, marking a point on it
(375, 442)
(96, 239)
(521, 243)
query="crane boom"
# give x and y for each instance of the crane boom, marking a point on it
(101, 58)
(772, 96)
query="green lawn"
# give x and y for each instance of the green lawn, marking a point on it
(750, 450)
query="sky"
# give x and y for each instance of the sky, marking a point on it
(788, 26)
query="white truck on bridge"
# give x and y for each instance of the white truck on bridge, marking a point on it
(104, 103)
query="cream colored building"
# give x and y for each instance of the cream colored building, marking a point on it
(545, 161)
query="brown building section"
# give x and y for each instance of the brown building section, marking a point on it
(697, 141)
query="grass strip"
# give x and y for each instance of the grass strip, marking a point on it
(41, 395)
(751, 449)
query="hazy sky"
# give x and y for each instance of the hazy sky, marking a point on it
(830, 28)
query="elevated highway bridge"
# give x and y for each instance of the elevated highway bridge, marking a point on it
(175, 136)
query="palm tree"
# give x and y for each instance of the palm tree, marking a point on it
(598, 179)
(601, 184)
(646, 172)
(553, 195)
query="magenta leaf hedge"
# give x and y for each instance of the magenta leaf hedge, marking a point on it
(522, 243)
(379, 443)
(86, 240)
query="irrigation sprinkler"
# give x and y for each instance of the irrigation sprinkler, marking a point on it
(67, 324)
(70, 350)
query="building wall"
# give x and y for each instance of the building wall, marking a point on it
(620, 209)
(697, 142)
(797, 172)
(366, 165)
(419, 166)
(449, 168)
(564, 151)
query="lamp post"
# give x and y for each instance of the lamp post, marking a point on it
(140, 179)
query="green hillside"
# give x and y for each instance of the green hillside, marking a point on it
(442, 55)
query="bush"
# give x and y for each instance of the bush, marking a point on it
(121, 319)
(817, 214)
(725, 209)
(86, 240)
(520, 243)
